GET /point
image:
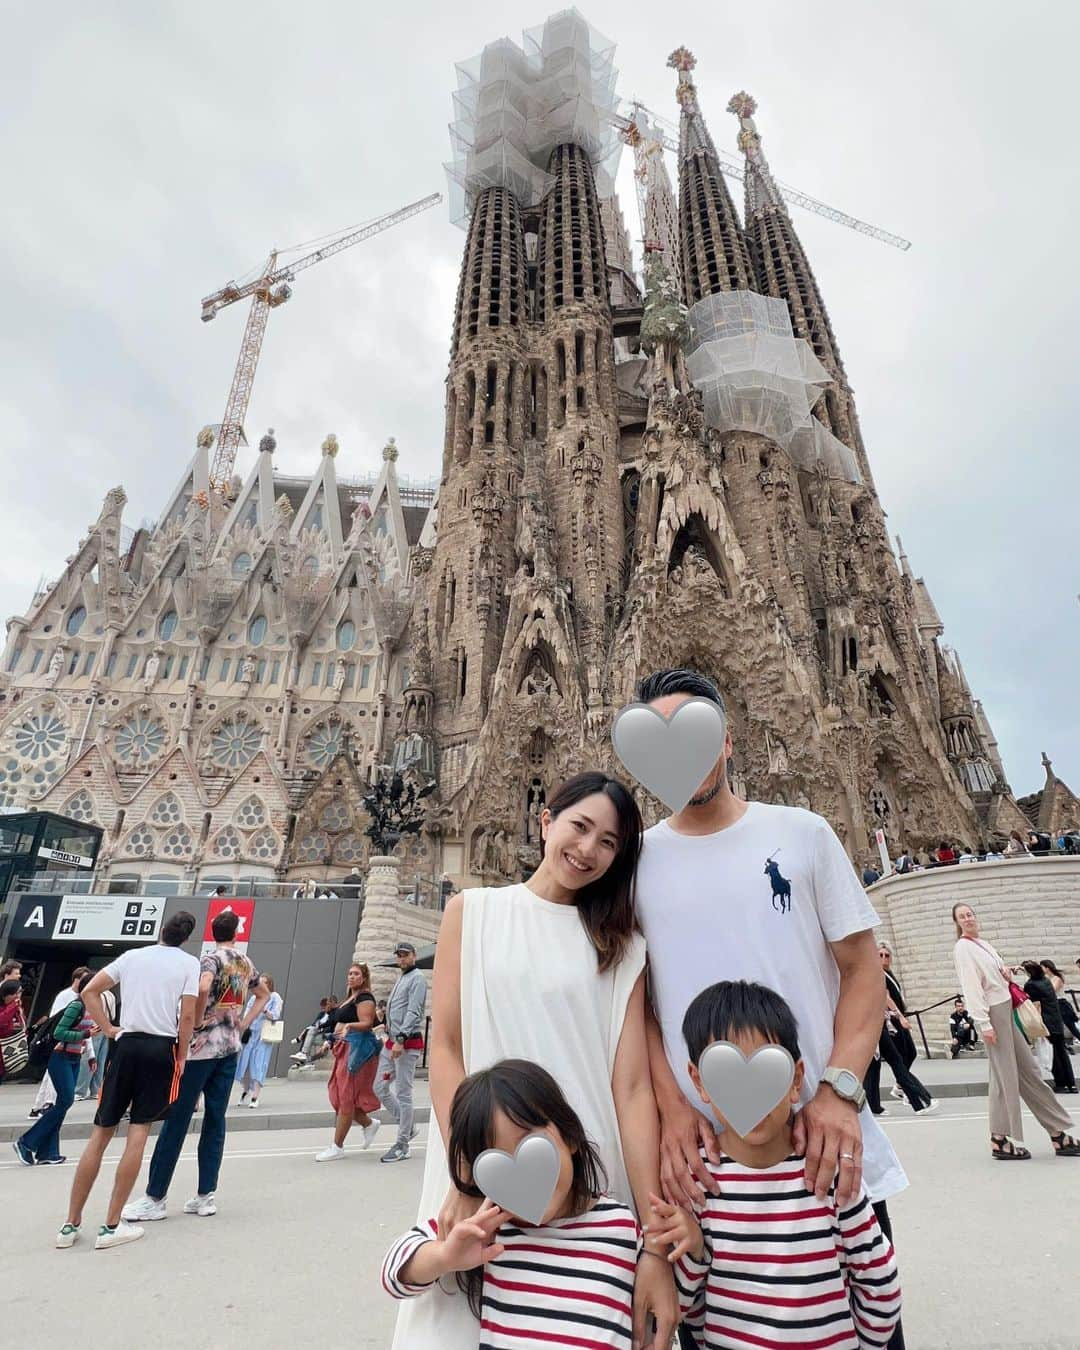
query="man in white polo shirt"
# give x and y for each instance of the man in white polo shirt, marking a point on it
(734, 890)
(159, 987)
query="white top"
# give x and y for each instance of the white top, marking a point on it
(710, 910)
(529, 990)
(983, 981)
(152, 982)
(62, 999)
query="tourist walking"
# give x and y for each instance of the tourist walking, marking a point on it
(255, 1055)
(159, 988)
(550, 970)
(41, 1142)
(351, 1090)
(226, 978)
(13, 1046)
(403, 1047)
(1068, 1011)
(896, 1004)
(89, 1084)
(730, 890)
(1039, 989)
(46, 1093)
(986, 982)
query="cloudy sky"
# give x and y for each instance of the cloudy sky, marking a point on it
(152, 152)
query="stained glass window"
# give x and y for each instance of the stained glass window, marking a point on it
(140, 738)
(235, 742)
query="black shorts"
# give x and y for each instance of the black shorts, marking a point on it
(141, 1073)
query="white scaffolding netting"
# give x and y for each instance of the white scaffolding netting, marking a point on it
(755, 375)
(513, 105)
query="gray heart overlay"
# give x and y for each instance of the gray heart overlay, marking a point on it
(743, 1090)
(524, 1184)
(670, 756)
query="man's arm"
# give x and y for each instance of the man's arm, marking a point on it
(186, 1028)
(413, 1020)
(828, 1126)
(262, 998)
(95, 1004)
(684, 1178)
(206, 983)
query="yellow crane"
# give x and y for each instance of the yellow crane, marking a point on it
(270, 289)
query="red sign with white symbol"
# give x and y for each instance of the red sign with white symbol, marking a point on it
(245, 911)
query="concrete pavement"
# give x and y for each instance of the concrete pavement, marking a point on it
(292, 1258)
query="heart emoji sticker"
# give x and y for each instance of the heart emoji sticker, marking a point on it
(743, 1090)
(523, 1184)
(671, 756)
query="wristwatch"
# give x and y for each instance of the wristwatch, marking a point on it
(846, 1085)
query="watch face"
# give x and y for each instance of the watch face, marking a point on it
(847, 1083)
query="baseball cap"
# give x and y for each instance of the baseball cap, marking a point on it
(405, 947)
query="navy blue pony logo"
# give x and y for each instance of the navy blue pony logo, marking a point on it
(781, 887)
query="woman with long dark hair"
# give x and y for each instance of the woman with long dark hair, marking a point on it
(1039, 989)
(985, 982)
(1068, 1012)
(551, 970)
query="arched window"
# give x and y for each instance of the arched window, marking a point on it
(257, 629)
(75, 620)
(241, 565)
(310, 566)
(167, 625)
(346, 635)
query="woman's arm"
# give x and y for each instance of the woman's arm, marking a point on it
(447, 1067)
(67, 1029)
(639, 1130)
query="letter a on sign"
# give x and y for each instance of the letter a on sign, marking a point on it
(36, 918)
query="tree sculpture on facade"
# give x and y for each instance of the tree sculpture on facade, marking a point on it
(396, 809)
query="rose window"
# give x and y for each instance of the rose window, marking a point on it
(178, 843)
(264, 846)
(166, 811)
(79, 807)
(40, 736)
(349, 849)
(140, 739)
(325, 743)
(313, 847)
(250, 814)
(235, 742)
(140, 842)
(227, 844)
(335, 817)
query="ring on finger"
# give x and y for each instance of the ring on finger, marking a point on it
(847, 1157)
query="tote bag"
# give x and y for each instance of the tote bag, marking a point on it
(14, 1054)
(272, 1032)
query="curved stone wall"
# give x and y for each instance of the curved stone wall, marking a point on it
(1028, 909)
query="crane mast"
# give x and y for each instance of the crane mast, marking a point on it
(270, 289)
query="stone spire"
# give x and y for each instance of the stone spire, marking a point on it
(780, 264)
(714, 255)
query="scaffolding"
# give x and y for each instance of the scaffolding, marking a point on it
(513, 105)
(755, 375)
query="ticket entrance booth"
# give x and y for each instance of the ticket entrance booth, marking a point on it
(33, 843)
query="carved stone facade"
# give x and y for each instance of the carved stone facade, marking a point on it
(216, 689)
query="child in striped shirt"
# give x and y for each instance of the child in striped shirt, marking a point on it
(766, 1264)
(568, 1280)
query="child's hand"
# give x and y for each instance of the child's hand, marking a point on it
(674, 1225)
(470, 1241)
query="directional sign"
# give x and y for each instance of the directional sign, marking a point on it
(108, 918)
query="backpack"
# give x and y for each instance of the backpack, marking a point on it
(42, 1040)
(904, 864)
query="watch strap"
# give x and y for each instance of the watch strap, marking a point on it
(857, 1098)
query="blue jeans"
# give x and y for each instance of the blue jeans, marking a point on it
(43, 1137)
(214, 1079)
(90, 1083)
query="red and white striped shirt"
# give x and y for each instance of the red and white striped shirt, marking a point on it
(567, 1283)
(783, 1268)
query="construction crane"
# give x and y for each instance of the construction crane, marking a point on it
(270, 289)
(665, 133)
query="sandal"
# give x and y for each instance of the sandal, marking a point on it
(1065, 1146)
(1006, 1151)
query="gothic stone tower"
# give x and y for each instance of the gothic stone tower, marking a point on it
(594, 523)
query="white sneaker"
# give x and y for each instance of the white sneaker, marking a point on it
(116, 1237)
(301, 1058)
(331, 1154)
(203, 1205)
(928, 1110)
(144, 1210)
(369, 1132)
(253, 1103)
(67, 1236)
(897, 1094)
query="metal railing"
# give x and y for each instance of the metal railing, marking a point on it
(917, 1014)
(251, 888)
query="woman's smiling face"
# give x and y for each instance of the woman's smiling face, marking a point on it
(582, 841)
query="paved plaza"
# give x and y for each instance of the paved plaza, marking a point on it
(988, 1254)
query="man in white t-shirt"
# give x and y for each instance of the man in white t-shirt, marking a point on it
(159, 988)
(730, 890)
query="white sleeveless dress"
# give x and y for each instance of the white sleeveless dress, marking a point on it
(529, 990)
